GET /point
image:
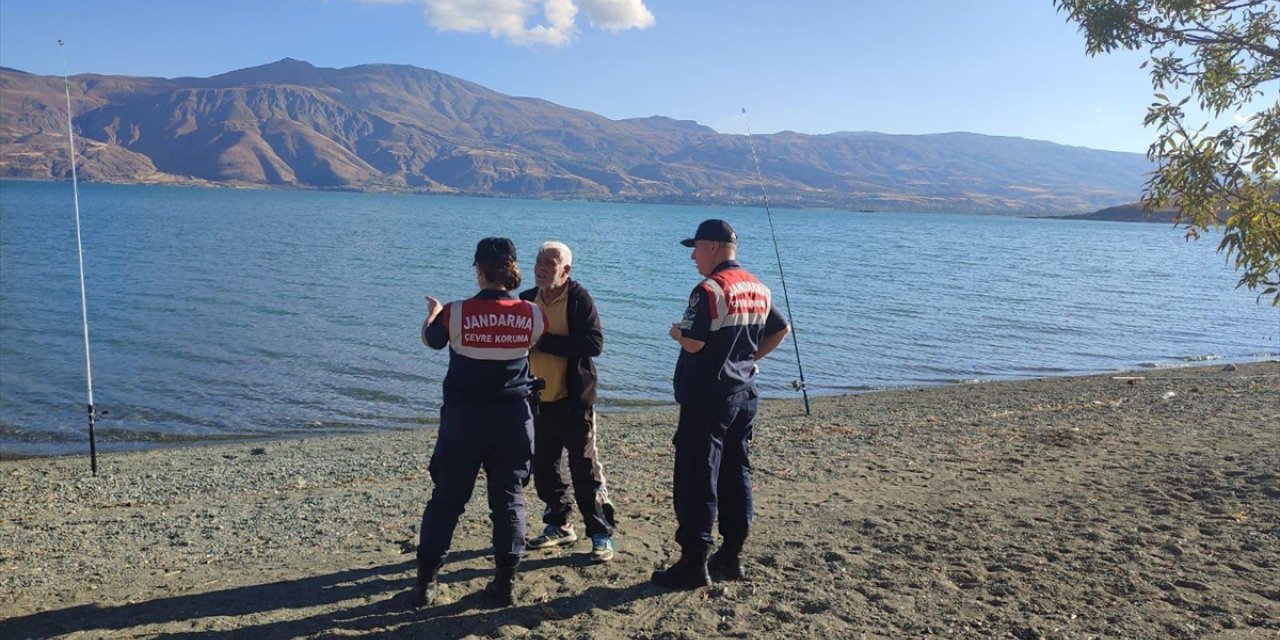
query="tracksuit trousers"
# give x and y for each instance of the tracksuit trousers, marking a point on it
(559, 427)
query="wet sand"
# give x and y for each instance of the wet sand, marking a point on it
(1057, 508)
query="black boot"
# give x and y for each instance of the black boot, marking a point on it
(426, 589)
(689, 572)
(726, 562)
(502, 589)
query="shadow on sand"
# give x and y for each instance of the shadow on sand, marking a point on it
(372, 615)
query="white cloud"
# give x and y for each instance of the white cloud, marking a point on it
(616, 15)
(532, 22)
(501, 18)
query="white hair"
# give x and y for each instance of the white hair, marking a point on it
(562, 249)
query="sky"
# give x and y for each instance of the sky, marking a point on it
(996, 67)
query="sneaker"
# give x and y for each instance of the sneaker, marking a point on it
(553, 536)
(601, 548)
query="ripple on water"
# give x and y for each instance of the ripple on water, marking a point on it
(288, 312)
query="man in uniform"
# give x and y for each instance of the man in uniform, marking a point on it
(730, 323)
(566, 415)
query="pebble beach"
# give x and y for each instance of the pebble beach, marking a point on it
(1143, 504)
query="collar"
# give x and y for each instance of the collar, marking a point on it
(564, 296)
(727, 264)
(494, 294)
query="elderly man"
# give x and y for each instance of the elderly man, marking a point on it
(566, 417)
(730, 323)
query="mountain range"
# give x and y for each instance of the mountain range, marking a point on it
(382, 127)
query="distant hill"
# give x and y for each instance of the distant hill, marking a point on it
(1126, 213)
(402, 128)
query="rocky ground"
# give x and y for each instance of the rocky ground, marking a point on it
(1146, 507)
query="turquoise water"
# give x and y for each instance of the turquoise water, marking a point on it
(224, 313)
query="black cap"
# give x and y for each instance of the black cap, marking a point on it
(495, 251)
(714, 230)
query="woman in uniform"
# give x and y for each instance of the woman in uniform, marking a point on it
(485, 420)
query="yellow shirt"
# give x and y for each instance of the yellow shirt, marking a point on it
(544, 365)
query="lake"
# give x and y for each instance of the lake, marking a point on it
(222, 313)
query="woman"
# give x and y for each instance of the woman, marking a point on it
(485, 420)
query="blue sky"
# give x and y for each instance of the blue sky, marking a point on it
(999, 67)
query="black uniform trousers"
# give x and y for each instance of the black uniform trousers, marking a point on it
(563, 426)
(499, 437)
(713, 471)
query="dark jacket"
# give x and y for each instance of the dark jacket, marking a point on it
(584, 342)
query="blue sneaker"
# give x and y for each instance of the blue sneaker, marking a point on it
(601, 548)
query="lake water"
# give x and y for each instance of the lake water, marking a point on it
(223, 313)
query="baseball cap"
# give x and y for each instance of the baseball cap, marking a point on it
(495, 251)
(714, 230)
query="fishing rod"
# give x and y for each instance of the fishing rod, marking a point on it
(795, 340)
(84, 310)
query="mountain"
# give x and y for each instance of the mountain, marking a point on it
(403, 128)
(1132, 212)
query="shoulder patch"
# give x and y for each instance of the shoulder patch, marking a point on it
(691, 312)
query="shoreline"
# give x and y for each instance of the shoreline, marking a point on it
(166, 441)
(175, 180)
(1064, 507)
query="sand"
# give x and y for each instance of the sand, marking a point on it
(1057, 508)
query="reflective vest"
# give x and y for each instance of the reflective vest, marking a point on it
(502, 329)
(737, 299)
(737, 308)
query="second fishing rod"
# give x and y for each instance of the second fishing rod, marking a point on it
(773, 234)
